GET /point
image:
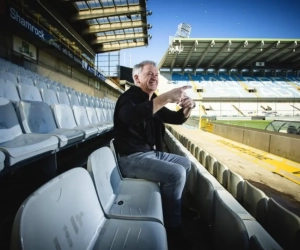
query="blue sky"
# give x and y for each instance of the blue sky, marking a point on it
(216, 19)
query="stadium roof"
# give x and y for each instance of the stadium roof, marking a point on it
(105, 25)
(220, 53)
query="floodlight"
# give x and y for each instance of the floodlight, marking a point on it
(149, 13)
(149, 26)
(150, 36)
(196, 42)
(245, 44)
(212, 43)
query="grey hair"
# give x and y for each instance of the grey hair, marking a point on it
(138, 68)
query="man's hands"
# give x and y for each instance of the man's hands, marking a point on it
(176, 95)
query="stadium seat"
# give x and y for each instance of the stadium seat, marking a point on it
(203, 194)
(235, 185)
(64, 118)
(63, 98)
(123, 198)
(49, 96)
(65, 215)
(41, 85)
(234, 226)
(74, 98)
(222, 172)
(255, 202)
(81, 119)
(8, 90)
(283, 226)
(9, 76)
(29, 93)
(37, 118)
(93, 119)
(211, 165)
(2, 159)
(25, 80)
(203, 156)
(16, 145)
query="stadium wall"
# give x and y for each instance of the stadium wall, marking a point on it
(283, 145)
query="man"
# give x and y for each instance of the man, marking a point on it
(139, 119)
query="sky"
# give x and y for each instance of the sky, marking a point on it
(215, 19)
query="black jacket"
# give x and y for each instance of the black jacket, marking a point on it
(136, 129)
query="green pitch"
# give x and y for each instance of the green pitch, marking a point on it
(249, 124)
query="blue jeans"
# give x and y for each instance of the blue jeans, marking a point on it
(169, 170)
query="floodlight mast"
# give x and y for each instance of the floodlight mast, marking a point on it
(183, 31)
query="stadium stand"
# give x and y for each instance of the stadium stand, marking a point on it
(2, 159)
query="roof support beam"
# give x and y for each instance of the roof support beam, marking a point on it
(230, 56)
(242, 57)
(107, 12)
(117, 38)
(173, 62)
(189, 56)
(270, 57)
(256, 57)
(216, 55)
(111, 27)
(202, 57)
(116, 47)
(286, 56)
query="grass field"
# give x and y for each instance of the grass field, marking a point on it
(249, 124)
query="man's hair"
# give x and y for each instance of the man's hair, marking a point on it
(138, 68)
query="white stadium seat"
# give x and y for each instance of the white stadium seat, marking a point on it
(16, 145)
(29, 93)
(64, 118)
(65, 214)
(2, 159)
(123, 198)
(8, 90)
(37, 117)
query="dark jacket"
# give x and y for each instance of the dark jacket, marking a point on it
(136, 129)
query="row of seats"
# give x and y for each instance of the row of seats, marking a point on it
(37, 120)
(114, 213)
(210, 180)
(35, 127)
(33, 93)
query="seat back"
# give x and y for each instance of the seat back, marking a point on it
(63, 97)
(9, 124)
(229, 229)
(36, 117)
(63, 116)
(211, 165)
(41, 85)
(92, 115)
(204, 189)
(25, 80)
(104, 171)
(222, 172)
(283, 225)
(235, 185)
(80, 116)
(8, 90)
(29, 93)
(74, 98)
(60, 215)
(49, 96)
(2, 159)
(255, 202)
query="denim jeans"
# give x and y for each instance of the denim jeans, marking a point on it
(169, 170)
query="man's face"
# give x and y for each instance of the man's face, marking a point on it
(147, 80)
